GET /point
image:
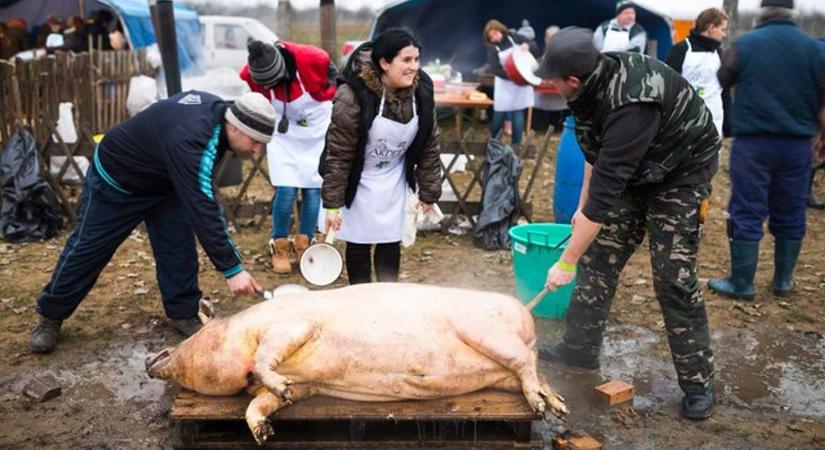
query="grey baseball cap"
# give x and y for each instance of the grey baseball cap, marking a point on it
(571, 53)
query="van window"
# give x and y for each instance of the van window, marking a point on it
(230, 36)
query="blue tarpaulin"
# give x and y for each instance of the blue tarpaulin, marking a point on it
(134, 14)
(452, 30)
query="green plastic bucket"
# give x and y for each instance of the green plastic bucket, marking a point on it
(533, 254)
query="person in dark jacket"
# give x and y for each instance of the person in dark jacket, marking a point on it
(819, 163)
(510, 101)
(158, 168)
(383, 140)
(779, 74)
(621, 33)
(75, 35)
(651, 150)
(698, 59)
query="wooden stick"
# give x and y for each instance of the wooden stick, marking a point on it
(537, 299)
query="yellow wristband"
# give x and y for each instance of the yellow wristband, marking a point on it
(569, 268)
(333, 210)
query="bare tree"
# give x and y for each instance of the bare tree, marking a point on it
(731, 8)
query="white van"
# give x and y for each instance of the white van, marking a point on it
(225, 39)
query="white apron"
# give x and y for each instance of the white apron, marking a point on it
(508, 96)
(293, 156)
(616, 40)
(700, 70)
(377, 212)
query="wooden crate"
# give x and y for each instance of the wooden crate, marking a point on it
(487, 419)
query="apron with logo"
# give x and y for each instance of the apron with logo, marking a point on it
(699, 69)
(509, 96)
(377, 212)
(293, 156)
(616, 40)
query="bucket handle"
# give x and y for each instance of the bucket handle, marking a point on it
(546, 239)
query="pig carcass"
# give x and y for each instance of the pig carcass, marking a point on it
(368, 342)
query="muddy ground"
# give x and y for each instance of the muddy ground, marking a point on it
(770, 354)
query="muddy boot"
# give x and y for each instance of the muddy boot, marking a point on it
(785, 254)
(280, 255)
(561, 353)
(187, 327)
(45, 334)
(744, 256)
(301, 243)
(698, 406)
(814, 202)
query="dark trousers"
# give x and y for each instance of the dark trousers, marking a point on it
(387, 260)
(671, 220)
(106, 218)
(770, 178)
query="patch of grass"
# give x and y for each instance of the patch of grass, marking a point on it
(800, 316)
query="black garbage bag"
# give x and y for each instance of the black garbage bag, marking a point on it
(499, 197)
(28, 209)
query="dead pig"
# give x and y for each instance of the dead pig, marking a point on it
(368, 342)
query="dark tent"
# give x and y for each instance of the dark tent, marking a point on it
(452, 30)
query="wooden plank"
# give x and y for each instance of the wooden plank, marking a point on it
(482, 405)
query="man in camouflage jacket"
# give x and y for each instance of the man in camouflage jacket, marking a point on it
(651, 150)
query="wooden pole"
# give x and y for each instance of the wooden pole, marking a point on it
(328, 28)
(284, 30)
(731, 7)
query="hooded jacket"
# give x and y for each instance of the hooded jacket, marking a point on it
(355, 106)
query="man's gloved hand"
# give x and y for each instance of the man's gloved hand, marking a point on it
(243, 284)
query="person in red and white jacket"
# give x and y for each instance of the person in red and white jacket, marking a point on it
(299, 80)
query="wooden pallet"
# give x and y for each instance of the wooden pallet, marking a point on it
(486, 419)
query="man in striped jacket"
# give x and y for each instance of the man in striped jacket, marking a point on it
(158, 167)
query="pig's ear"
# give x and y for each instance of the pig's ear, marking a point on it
(206, 311)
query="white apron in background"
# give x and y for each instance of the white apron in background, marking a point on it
(508, 96)
(700, 70)
(377, 212)
(616, 40)
(293, 156)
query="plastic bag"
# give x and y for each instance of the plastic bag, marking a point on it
(143, 91)
(28, 209)
(415, 219)
(499, 197)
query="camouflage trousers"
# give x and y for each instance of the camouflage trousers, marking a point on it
(672, 221)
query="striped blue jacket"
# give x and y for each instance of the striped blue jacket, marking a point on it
(173, 147)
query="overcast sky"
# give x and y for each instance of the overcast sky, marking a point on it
(673, 8)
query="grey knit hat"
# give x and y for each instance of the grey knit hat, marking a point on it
(253, 115)
(570, 53)
(266, 64)
(777, 3)
(622, 5)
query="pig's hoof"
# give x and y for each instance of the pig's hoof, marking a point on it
(556, 403)
(262, 431)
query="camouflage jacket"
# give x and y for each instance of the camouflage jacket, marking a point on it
(686, 143)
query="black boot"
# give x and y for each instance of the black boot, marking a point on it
(785, 254)
(562, 353)
(698, 406)
(187, 327)
(45, 334)
(814, 202)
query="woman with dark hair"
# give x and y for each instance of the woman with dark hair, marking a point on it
(383, 139)
(699, 57)
(75, 36)
(509, 99)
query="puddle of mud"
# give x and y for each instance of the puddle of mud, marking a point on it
(761, 369)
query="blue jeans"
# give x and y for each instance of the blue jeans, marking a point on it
(282, 210)
(770, 178)
(105, 219)
(517, 117)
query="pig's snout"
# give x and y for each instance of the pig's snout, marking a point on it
(157, 361)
